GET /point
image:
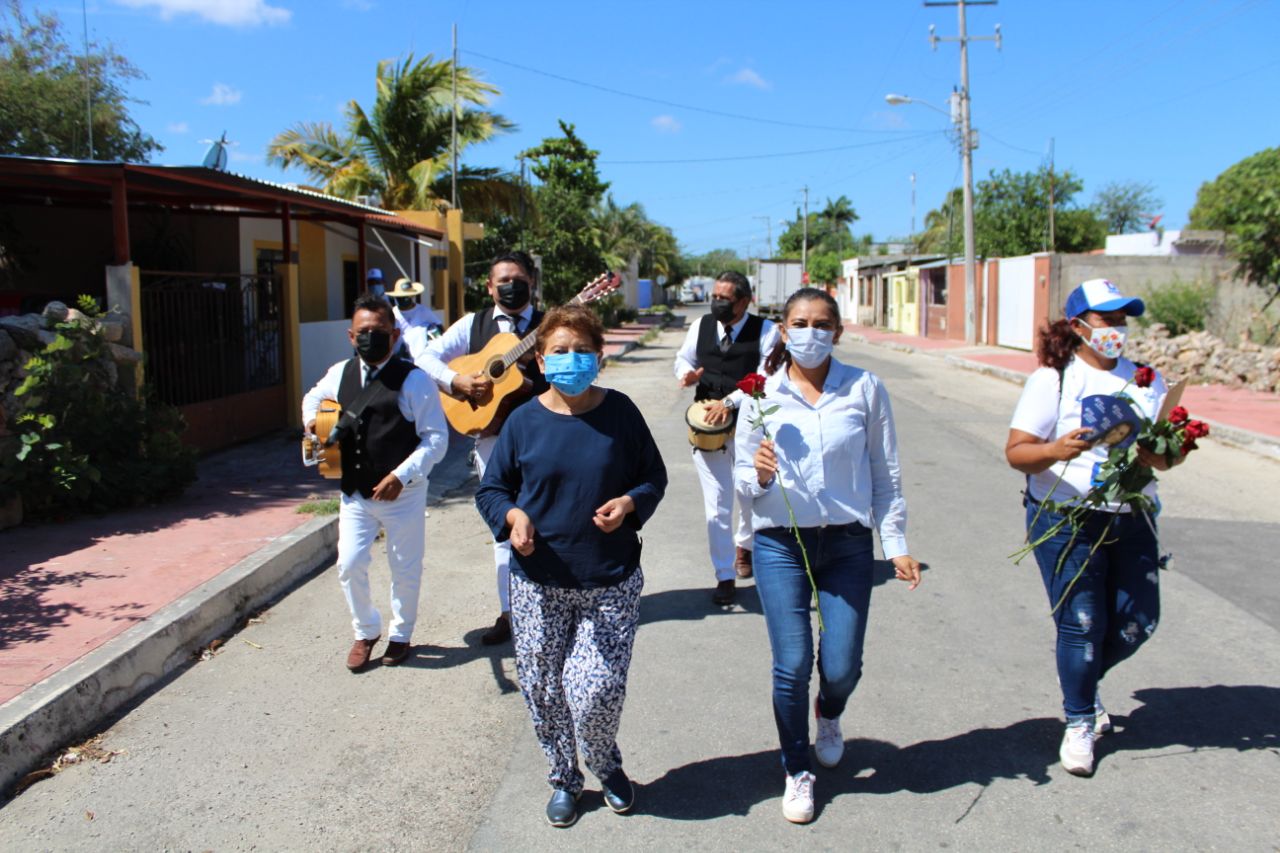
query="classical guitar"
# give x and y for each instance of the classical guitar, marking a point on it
(327, 458)
(498, 360)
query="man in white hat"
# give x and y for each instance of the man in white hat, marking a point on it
(417, 323)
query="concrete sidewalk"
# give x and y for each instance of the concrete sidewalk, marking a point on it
(98, 610)
(1237, 416)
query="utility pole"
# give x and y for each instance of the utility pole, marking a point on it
(968, 142)
(88, 79)
(1052, 242)
(524, 193)
(912, 237)
(804, 244)
(453, 124)
(768, 224)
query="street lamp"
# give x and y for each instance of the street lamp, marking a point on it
(959, 115)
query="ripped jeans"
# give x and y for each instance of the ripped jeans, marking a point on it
(1114, 606)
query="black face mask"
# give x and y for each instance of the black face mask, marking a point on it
(722, 310)
(373, 346)
(513, 294)
(404, 303)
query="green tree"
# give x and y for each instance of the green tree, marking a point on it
(43, 88)
(828, 231)
(399, 149)
(944, 227)
(713, 263)
(1011, 215)
(569, 191)
(1244, 201)
(824, 268)
(1125, 206)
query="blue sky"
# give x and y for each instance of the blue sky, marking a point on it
(1169, 93)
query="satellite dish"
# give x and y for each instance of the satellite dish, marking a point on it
(217, 157)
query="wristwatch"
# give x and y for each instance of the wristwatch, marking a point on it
(728, 403)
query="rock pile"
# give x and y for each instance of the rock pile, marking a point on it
(28, 334)
(1202, 358)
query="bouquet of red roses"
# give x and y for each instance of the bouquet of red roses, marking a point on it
(1121, 479)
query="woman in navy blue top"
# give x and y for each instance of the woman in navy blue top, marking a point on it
(574, 476)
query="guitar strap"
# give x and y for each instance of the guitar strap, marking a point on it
(349, 416)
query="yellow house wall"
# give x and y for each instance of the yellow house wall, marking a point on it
(313, 283)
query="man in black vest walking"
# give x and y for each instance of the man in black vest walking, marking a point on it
(392, 432)
(511, 288)
(720, 349)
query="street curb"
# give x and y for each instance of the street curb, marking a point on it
(74, 702)
(1253, 442)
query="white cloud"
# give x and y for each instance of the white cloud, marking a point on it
(178, 127)
(234, 13)
(236, 156)
(667, 124)
(222, 96)
(358, 5)
(748, 77)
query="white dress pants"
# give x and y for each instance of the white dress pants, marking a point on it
(501, 550)
(405, 523)
(715, 473)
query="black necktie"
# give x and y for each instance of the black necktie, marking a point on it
(726, 342)
(369, 371)
(515, 325)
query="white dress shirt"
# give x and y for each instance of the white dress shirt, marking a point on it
(419, 403)
(837, 458)
(456, 341)
(687, 357)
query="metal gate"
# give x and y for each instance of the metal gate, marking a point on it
(1015, 323)
(214, 348)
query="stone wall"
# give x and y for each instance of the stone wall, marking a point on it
(28, 334)
(1201, 358)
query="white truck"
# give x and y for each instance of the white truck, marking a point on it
(775, 281)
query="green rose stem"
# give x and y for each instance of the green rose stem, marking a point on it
(758, 422)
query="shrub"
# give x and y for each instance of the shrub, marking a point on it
(82, 443)
(1182, 306)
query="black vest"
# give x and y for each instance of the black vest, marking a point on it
(484, 326)
(383, 437)
(722, 370)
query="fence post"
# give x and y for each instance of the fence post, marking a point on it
(124, 298)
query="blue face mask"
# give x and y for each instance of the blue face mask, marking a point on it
(810, 347)
(571, 372)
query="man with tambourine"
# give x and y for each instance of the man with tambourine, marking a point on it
(391, 433)
(720, 349)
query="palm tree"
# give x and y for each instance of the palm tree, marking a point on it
(400, 149)
(839, 216)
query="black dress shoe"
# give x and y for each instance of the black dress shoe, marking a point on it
(562, 809)
(619, 793)
(499, 633)
(395, 654)
(724, 593)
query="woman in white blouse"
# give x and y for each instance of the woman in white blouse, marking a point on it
(835, 453)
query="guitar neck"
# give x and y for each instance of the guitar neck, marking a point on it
(526, 343)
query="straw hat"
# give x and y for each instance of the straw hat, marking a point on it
(405, 288)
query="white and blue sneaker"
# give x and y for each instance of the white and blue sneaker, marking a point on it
(1076, 751)
(1101, 719)
(829, 745)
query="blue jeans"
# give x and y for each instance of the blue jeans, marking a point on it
(1114, 606)
(842, 560)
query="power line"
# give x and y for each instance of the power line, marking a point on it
(675, 104)
(766, 156)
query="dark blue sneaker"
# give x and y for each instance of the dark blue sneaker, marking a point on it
(619, 793)
(562, 809)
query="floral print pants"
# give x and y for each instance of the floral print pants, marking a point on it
(573, 650)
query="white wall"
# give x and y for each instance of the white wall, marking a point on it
(323, 345)
(1145, 243)
(264, 230)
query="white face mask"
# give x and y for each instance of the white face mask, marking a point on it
(1107, 341)
(810, 347)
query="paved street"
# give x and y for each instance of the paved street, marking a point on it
(952, 734)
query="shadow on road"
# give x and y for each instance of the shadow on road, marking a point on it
(425, 656)
(1240, 717)
(686, 605)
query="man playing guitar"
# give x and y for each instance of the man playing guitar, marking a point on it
(510, 286)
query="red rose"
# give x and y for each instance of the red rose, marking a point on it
(1144, 376)
(752, 384)
(1188, 445)
(1178, 416)
(1197, 429)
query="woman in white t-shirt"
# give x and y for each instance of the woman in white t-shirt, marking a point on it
(1112, 608)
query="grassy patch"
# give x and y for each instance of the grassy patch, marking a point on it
(329, 506)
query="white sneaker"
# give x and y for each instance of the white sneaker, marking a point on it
(1077, 749)
(1101, 719)
(797, 802)
(829, 746)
